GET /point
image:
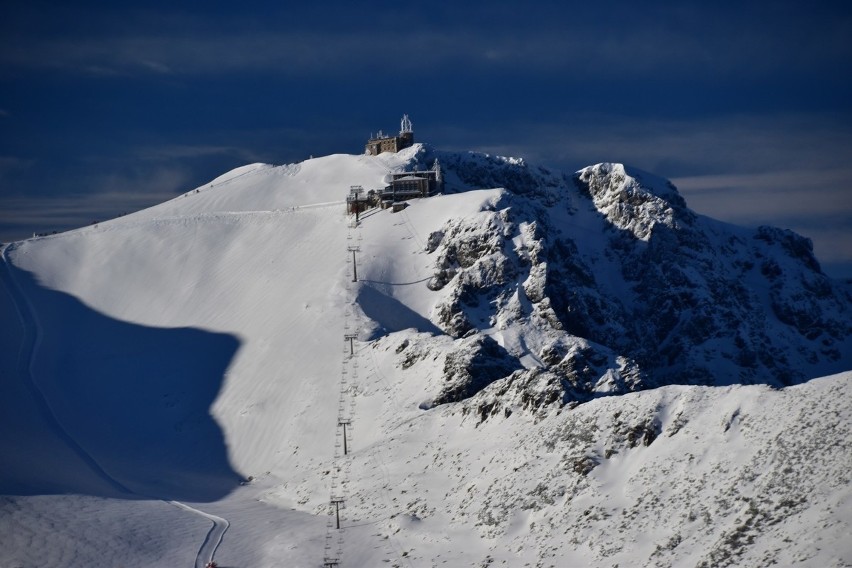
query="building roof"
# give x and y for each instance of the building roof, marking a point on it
(408, 178)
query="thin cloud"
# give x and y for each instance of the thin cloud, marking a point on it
(778, 180)
(832, 247)
(21, 216)
(581, 45)
(790, 171)
(70, 209)
(12, 164)
(141, 181)
(180, 151)
(704, 145)
(779, 196)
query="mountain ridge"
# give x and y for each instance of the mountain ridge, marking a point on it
(673, 281)
(490, 328)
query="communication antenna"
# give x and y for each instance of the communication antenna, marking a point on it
(437, 169)
(405, 125)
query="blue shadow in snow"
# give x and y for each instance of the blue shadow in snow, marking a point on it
(109, 408)
(391, 314)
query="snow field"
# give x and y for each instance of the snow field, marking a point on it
(236, 298)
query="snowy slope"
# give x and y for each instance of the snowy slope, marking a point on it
(174, 353)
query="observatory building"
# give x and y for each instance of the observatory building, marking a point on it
(382, 143)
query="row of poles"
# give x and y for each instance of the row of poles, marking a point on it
(337, 500)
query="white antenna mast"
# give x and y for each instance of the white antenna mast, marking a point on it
(405, 125)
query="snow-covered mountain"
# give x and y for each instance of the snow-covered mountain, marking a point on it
(615, 285)
(545, 369)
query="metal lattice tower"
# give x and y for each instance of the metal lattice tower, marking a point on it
(405, 125)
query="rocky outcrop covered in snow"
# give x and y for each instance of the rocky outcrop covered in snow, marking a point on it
(482, 410)
(609, 283)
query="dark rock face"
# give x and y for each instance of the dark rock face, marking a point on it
(627, 288)
(476, 363)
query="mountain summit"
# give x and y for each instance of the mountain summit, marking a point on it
(529, 368)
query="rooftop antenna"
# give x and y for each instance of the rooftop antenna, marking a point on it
(405, 125)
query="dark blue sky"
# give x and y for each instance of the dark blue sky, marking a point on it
(746, 106)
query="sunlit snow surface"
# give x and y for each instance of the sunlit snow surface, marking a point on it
(184, 348)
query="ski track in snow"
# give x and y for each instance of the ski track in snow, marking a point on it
(213, 538)
(26, 359)
(107, 225)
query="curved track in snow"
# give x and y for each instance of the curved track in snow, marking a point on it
(214, 536)
(23, 367)
(26, 357)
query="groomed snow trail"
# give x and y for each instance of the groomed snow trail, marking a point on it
(214, 536)
(25, 361)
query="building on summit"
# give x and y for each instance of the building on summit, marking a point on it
(382, 143)
(401, 186)
(407, 185)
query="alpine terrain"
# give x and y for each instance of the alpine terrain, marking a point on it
(528, 368)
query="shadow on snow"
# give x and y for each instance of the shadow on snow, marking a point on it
(391, 314)
(93, 405)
